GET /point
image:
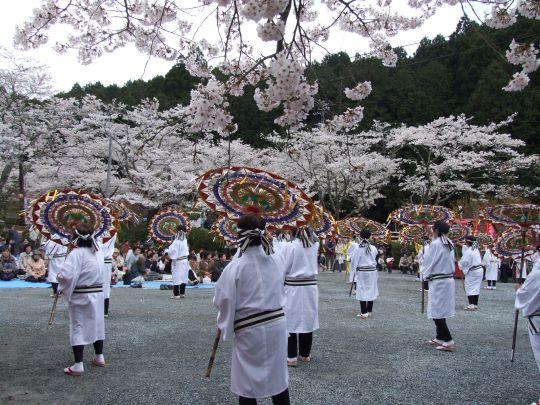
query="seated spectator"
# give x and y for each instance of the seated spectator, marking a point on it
(168, 263)
(192, 278)
(35, 268)
(118, 265)
(23, 258)
(194, 265)
(8, 265)
(137, 272)
(219, 267)
(203, 264)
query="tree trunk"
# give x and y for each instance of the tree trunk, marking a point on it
(22, 191)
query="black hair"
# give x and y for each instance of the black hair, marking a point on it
(248, 222)
(181, 227)
(83, 229)
(470, 239)
(365, 233)
(441, 227)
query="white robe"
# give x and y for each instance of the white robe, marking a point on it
(473, 278)
(518, 268)
(366, 281)
(528, 302)
(491, 262)
(536, 261)
(421, 259)
(350, 250)
(83, 268)
(179, 268)
(438, 259)
(53, 249)
(302, 302)
(107, 249)
(251, 284)
(279, 245)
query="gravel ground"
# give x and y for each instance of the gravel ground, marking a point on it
(157, 350)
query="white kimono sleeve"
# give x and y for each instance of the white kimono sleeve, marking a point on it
(69, 275)
(465, 262)
(225, 301)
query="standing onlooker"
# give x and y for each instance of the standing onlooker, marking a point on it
(330, 252)
(405, 263)
(14, 239)
(8, 265)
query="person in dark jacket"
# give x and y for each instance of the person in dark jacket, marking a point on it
(8, 265)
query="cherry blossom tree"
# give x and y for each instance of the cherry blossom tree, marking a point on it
(341, 170)
(264, 43)
(22, 83)
(450, 156)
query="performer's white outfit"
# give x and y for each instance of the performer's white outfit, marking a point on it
(107, 249)
(364, 263)
(518, 268)
(178, 252)
(438, 269)
(301, 291)
(250, 298)
(491, 263)
(279, 244)
(528, 302)
(350, 249)
(471, 266)
(80, 282)
(57, 255)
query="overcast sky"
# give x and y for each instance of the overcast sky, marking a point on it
(128, 64)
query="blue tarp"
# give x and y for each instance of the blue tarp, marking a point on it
(147, 284)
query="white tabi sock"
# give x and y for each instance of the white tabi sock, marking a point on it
(100, 358)
(78, 367)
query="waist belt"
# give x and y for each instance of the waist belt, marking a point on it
(107, 261)
(181, 258)
(477, 267)
(534, 324)
(88, 290)
(58, 255)
(298, 282)
(439, 277)
(366, 268)
(258, 319)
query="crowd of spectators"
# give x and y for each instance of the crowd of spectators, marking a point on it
(133, 262)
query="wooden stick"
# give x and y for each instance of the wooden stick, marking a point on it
(53, 310)
(213, 354)
(352, 284)
(423, 296)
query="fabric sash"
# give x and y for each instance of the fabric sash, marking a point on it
(299, 282)
(439, 277)
(534, 322)
(181, 258)
(88, 290)
(258, 319)
(366, 268)
(107, 261)
(477, 267)
(59, 255)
